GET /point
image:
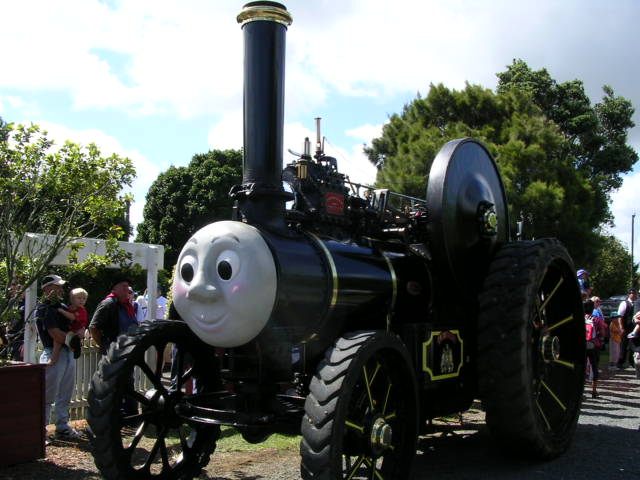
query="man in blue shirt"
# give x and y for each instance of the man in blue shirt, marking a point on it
(60, 377)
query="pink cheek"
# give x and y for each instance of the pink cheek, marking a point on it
(235, 289)
(179, 290)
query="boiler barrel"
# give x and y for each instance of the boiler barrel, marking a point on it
(326, 287)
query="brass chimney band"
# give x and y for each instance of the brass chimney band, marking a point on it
(264, 13)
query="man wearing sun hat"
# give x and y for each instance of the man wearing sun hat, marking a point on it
(60, 376)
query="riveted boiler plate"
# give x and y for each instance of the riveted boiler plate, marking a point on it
(468, 216)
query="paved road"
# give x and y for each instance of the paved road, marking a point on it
(606, 445)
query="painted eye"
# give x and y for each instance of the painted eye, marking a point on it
(228, 265)
(225, 270)
(188, 267)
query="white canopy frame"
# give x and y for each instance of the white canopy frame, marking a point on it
(150, 257)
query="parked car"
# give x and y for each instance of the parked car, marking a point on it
(610, 305)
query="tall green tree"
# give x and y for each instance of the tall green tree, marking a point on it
(611, 268)
(554, 181)
(596, 136)
(184, 199)
(66, 193)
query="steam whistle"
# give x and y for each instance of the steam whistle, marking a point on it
(319, 140)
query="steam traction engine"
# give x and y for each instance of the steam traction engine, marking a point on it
(352, 317)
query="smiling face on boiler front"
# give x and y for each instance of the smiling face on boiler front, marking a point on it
(225, 283)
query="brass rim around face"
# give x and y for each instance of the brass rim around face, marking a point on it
(264, 13)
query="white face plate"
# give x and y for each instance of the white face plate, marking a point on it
(225, 285)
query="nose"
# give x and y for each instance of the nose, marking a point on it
(203, 292)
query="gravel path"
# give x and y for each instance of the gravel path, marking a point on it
(606, 447)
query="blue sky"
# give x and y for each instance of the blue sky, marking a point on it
(159, 80)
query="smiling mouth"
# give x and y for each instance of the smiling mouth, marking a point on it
(208, 323)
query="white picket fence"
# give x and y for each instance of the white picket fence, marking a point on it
(86, 365)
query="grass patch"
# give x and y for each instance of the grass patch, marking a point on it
(232, 441)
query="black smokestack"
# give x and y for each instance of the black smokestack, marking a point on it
(261, 198)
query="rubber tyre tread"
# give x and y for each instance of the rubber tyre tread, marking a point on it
(322, 402)
(504, 381)
(106, 383)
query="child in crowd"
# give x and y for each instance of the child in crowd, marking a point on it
(78, 318)
(615, 338)
(77, 313)
(636, 330)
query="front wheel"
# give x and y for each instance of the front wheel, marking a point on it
(135, 430)
(361, 413)
(531, 348)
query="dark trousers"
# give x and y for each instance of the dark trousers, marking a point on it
(626, 355)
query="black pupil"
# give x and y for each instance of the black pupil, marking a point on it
(225, 270)
(187, 272)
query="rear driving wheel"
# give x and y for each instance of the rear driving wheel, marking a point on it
(531, 348)
(361, 413)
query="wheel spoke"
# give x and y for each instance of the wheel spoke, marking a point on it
(160, 359)
(375, 373)
(161, 432)
(152, 453)
(553, 292)
(565, 364)
(544, 417)
(368, 386)
(183, 440)
(359, 428)
(163, 454)
(129, 419)
(561, 322)
(152, 377)
(136, 439)
(374, 471)
(554, 396)
(355, 467)
(386, 398)
(137, 396)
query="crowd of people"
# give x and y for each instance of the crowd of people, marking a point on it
(62, 326)
(621, 333)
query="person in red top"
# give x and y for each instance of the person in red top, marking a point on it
(77, 313)
(114, 316)
(596, 331)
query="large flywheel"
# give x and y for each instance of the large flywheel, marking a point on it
(468, 216)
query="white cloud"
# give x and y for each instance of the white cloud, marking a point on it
(185, 58)
(147, 172)
(625, 204)
(227, 132)
(366, 133)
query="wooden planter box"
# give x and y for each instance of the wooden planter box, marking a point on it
(21, 412)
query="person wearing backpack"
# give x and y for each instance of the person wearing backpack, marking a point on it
(595, 330)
